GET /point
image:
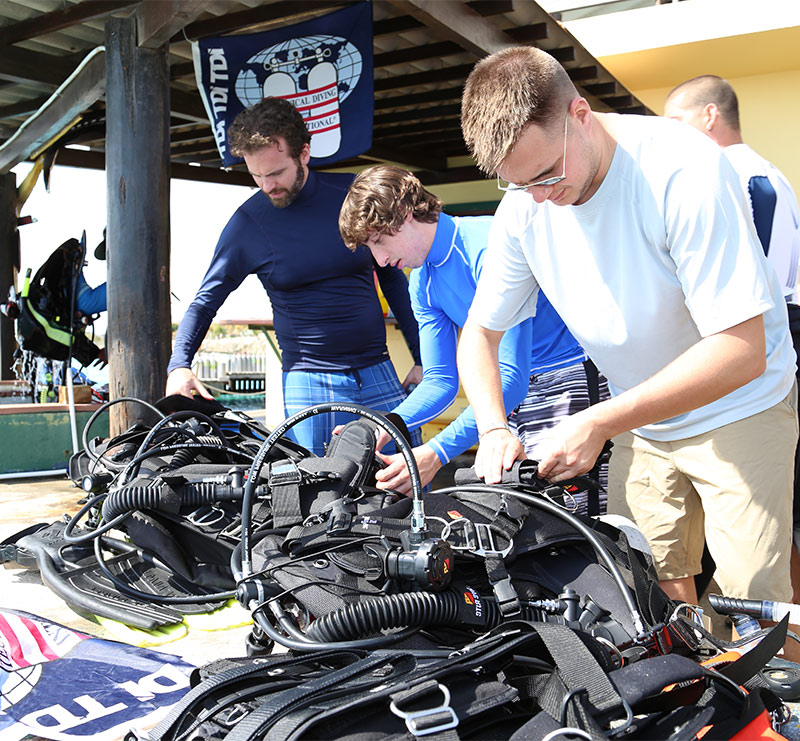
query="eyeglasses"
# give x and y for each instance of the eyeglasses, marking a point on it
(510, 187)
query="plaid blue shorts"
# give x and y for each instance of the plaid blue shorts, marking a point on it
(376, 387)
(553, 396)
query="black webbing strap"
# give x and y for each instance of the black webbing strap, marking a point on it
(592, 381)
(284, 483)
(231, 677)
(578, 669)
(277, 706)
(756, 658)
(504, 592)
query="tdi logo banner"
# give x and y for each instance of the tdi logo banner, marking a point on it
(324, 67)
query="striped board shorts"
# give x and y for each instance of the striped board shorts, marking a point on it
(375, 386)
(552, 396)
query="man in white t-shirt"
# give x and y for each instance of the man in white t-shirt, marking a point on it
(709, 104)
(636, 229)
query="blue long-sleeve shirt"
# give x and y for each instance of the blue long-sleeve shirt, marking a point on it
(90, 300)
(326, 312)
(441, 293)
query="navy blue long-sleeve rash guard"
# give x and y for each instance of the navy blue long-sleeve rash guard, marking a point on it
(326, 312)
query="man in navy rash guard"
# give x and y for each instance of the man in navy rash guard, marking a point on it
(326, 311)
(545, 374)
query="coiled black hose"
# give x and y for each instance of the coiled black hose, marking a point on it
(158, 496)
(407, 610)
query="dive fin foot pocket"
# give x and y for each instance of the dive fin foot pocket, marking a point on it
(74, 574)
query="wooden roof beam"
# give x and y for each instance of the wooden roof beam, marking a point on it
(431, 96)
(25, 66)
(157, 21)
(282, 13)
(82, 90)
(22, 108)
(427, 158)
(44, 23)
(454, 20)
(444, 74)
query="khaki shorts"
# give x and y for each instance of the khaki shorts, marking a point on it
(733, 485)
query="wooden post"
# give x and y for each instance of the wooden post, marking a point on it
(9, 255)
(137, 178)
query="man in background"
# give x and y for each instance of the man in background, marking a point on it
(709, 104)
(326, 312)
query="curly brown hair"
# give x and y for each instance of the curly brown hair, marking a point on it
(257, 126)
(504, 93)
(379, 201)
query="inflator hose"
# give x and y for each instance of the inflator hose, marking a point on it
(407, 610)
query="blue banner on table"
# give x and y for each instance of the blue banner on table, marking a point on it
(323, 66)
(57, 683)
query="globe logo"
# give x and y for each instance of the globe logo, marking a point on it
(315, 73)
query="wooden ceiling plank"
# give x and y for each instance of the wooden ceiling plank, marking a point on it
(601, 88)
(282, 13)
(23, 66)
(431, 96)
(398, 24)
(445, 74)
(57, 20)
(403, 117)
(415, 53)
(452, 19)
(187, 106)
(410, 157)
(444, 125)
(563, 54)
(21, 108)
(529, 34)
(579, 74)
(157, 21)
(491, 7)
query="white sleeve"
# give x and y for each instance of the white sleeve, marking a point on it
(712, 240)
(507, 291)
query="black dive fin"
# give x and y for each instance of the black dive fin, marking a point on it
(72, 572)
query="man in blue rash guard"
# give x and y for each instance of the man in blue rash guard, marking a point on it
(326, 311)
(388, 209)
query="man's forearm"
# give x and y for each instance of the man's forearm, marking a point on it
(707, 371)
(479, 372)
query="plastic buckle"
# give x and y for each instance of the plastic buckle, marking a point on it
(412, 719)
(283, 473)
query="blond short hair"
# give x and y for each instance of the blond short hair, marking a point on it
(504, 93)
(379, 201)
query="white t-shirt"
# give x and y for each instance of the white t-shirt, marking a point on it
(775, 212)
(660, 256)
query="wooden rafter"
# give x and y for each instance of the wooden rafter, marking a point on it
(44, 23)
(158, 20)
(75, 96)
(452, 19)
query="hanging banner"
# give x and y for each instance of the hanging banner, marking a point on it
(323, 66)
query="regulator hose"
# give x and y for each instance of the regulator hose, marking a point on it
(158, 496)
(406, 610)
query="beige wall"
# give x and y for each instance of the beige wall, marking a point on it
(769, 109)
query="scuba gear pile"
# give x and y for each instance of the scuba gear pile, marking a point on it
(477, 610)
